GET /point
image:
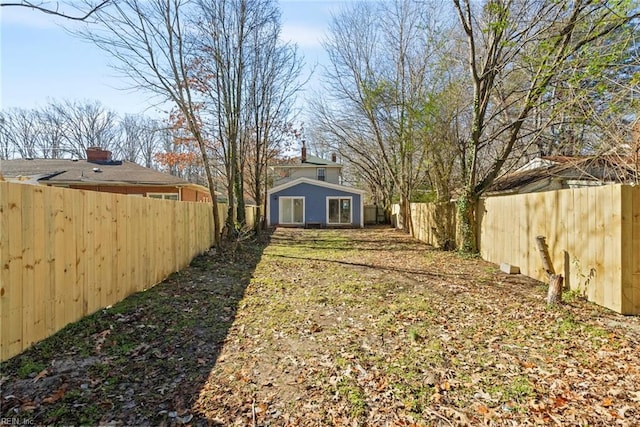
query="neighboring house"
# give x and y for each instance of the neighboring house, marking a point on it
(100, 173)
(308, 167)
(308, 193)
(557, 172)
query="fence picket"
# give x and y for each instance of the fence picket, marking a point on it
(12, 332)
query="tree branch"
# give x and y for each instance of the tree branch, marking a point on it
(56, 12)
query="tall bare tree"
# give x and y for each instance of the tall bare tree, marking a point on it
(249, 78)
(273, 73)
(152, 45)
(516, 50)
(225, 37)
(380, 76)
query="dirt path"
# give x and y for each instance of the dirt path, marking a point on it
(328, 327)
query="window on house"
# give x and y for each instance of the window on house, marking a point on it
(164, 196)
(321, 174)
(291, 210)
(339, 210)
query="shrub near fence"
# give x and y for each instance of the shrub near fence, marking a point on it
(593, 236)
(67, 253)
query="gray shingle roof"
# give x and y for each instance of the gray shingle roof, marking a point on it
(83, 171)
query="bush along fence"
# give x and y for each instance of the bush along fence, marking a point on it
(593, 238)
(66, 253)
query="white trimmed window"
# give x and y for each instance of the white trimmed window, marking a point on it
(321, 174)
(339, 210)
(164, 196)
(291, 210)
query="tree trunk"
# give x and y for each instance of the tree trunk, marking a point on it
(444, 231)
(405, 208)
(212, 190)
(466, 208)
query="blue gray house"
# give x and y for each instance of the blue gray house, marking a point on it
(308, 193)
(305, 202)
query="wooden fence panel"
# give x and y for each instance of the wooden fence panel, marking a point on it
(593, 236)
(630, 249)
(67, 253)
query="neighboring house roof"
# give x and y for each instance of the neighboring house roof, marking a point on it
(60, 172)
(316, 183)
(311, 161)
(565, 171)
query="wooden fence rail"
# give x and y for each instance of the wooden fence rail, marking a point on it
(593, 236)
(65, 254)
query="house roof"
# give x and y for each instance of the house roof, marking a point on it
(318, 161)
(597, 169)
(317, 183)
(312, 161)
(60, 171)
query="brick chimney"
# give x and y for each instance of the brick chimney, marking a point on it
(303, 157)
(334, 157)
(97, 154)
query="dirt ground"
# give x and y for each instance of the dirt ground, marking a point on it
(334, 327)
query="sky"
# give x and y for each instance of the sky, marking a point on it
(40, 62)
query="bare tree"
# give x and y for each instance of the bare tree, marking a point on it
(20, 132)
(380, 76)
(228, 23)
(249, 79)
(7, 148)
(140, 139)
(85, 124)
(274, 68)
(516, 50)
(53, 132)
(345, 134)
(151, 43)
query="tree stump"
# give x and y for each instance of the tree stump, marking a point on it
(554, 295)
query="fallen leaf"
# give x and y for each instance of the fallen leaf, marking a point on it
(100, 339)
(482, 409)
(41, 375)
(559, 402)
(57, 395)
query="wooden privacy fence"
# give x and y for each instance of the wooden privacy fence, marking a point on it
(65, 254)
(593, 235)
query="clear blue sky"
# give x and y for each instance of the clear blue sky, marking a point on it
(39, 61)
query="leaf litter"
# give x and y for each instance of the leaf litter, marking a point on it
(335, 327)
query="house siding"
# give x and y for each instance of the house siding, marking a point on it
(315, 206)
(188, 194)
